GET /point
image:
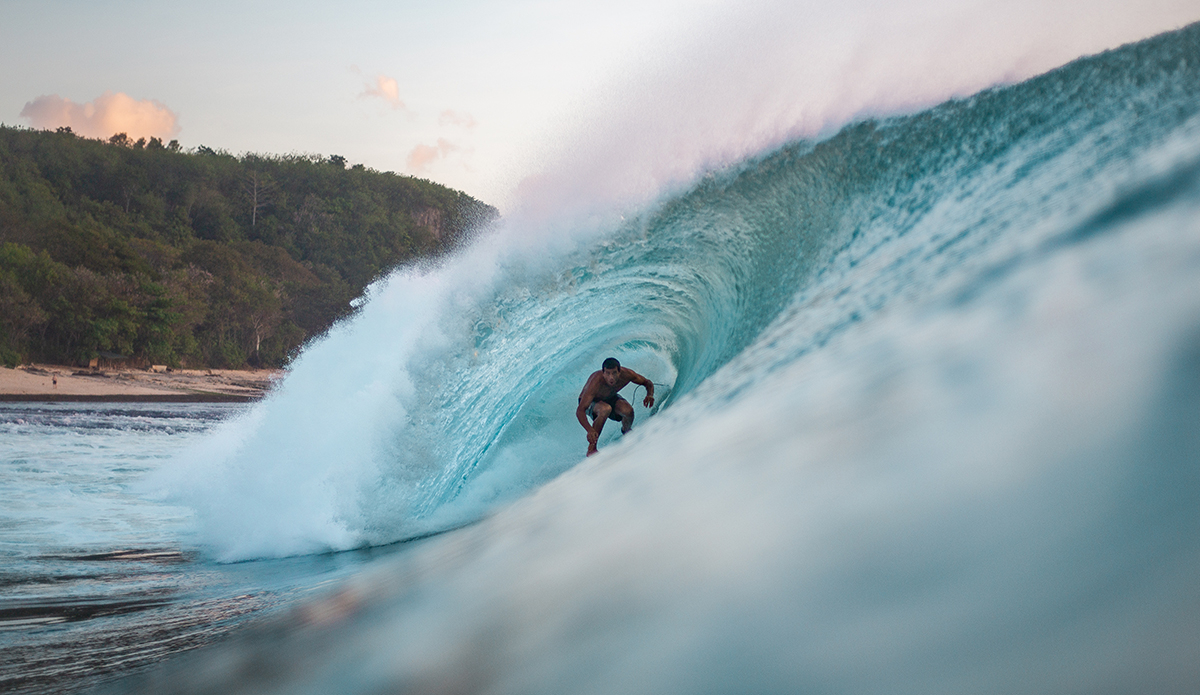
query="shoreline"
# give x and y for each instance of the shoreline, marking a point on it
(47, 383)
(200, 397)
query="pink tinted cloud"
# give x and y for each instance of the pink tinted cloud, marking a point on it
(385, 88)
(449, 117)
(105, 116)
(422, 156)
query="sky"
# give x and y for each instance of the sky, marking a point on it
(454, 90)
(482, 96)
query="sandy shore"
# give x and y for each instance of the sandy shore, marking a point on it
(42, 382)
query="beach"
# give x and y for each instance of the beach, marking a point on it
(42, 382)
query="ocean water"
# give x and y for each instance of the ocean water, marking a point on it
(928, 421)
(96, 580)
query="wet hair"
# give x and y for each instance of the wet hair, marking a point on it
(611, 363)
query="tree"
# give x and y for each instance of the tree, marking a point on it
(259, 189)
(263, 314)
(19, 316)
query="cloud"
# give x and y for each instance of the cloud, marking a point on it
(424, 155)
(385, 88)
(449, 117)
(107, 115)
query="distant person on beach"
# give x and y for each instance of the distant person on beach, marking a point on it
(601, 401)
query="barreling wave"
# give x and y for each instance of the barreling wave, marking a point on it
(453, 388)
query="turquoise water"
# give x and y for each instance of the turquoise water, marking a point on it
(96, 580)
(928, 423)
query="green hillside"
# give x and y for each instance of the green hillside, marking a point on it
(196, 258)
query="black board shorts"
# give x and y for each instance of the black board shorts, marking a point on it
(612, 401)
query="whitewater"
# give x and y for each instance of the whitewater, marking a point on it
(928, 421)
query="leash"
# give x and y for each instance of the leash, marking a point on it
(639, 386)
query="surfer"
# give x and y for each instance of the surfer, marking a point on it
(601, 401)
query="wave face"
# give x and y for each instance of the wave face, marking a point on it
(928, 423)
(453, 388)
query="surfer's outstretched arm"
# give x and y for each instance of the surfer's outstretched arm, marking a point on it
(640, 380)
(585, 399)
(581, 415)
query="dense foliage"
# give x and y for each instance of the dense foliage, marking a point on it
(196, 258)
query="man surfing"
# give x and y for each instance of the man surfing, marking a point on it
(601, 401)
